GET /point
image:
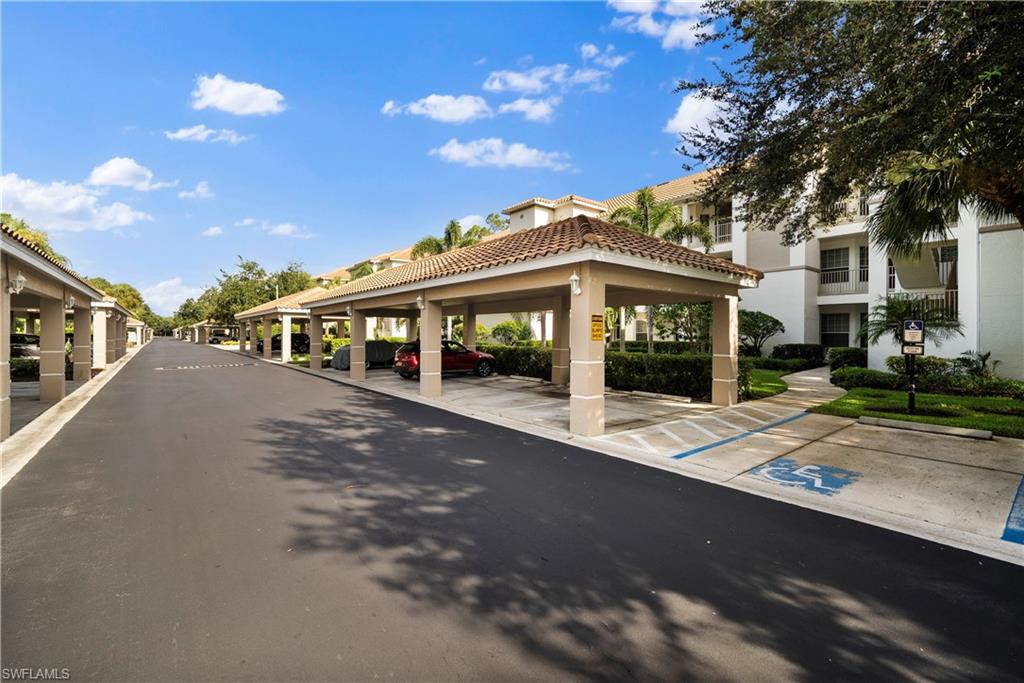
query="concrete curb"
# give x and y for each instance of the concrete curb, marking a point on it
(20, 448)
(925, 427)
(955, 538)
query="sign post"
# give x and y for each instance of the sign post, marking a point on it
(913, 346)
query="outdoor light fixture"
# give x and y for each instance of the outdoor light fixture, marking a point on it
(419, 302)
(574, 284)
(349, 309)
(17, 284)
(71, 302)
(110, 314)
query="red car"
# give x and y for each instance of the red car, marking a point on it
(454, 358)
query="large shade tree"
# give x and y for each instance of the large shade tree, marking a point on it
(921, 100)
(38, 238)
(663, 220)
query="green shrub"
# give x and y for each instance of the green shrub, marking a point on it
(850, 377)
(814, 354)
(847, 357)
(528, 361)
(511, 331)
(24, 369)
(784, 364)
(927, 367)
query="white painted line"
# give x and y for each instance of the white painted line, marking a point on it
(701, 429)
(643, 442)
(749, 417)
(670, 434)
(762, 410)
(727, 424)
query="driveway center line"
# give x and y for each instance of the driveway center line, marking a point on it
(737, 437)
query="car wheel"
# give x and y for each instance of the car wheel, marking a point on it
(406, 375)
(484, 368)
(368, 365)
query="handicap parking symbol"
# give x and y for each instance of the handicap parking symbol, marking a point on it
(821, 479)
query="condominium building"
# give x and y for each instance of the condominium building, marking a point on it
(822, 289)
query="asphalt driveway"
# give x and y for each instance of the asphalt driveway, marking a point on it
(206, 518)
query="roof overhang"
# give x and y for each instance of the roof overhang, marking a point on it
(588, 253)
(112, 306)
(23, 253)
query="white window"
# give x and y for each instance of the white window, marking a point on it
(835, 329)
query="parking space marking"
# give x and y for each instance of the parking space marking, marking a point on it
(737, 437)
(727, 424)
(1014, 529)
(701, 429)
(672, 435)
(822, 479)
(762, 410)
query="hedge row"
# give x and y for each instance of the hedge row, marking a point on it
(663, 373)
(27, 369)
(847, 357)
(814, 354)
(849, 378)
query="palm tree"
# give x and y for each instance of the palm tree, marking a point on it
(888, 315)
(923, 196)
(453, 238)
(664, 221)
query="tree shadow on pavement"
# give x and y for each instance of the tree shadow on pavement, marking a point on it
(610, 570)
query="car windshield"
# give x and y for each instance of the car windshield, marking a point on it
(408, 348)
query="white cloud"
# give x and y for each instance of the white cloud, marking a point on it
(675, 23)
(634, 6)
(246, 222)
(126, 172)
(596, 80)
(606, 58)
(202, 191)
(64, 206)
(164, 297)
(213, 231)
(496, 152)
(202, 133)
(236, 97)
(532, 110)
(472, 219)
(693, 112)
(532, 81)
(286, 230)
(443, 108)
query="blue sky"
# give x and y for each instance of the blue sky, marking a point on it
(158, 142)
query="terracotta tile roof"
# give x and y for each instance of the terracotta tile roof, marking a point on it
(552, 203)
(9, 231)
(336, 274)
(547, 240)
(287, 301)
(135, 322)
(668, 191)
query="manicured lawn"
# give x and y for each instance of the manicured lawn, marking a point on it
(765, 383)
(1002, 416)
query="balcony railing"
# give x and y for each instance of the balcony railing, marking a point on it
(855, 208)
(723, 230)
(947, 301)
(843, 281)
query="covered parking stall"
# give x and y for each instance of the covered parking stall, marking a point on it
(109, 331)
(574, 268)
(286, 310)
(47, 294)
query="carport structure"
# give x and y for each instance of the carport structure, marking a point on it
(575, 268)
(285, 310)
(42, 288)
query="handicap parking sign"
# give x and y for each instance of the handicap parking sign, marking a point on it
(822, 479)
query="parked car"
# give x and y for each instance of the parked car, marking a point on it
(379, 353)
(221, 338)
(454, 358)
(24, 346)
(300, 343)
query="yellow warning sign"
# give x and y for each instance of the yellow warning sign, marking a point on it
(597, 328)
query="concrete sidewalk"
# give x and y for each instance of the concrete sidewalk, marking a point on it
(962, 492)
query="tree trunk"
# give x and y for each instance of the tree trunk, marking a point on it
(650, 329)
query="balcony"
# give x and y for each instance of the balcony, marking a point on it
(723, 230)
(853, 209)
(843, 281)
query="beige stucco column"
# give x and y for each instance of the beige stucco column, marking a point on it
(469, 328)
(122, 337)
(82, 351)
(286, 338)
(51, 349)
(725, 351)
(204, 334)
(430, 349)
(303, 327)
(253, 336)
(6, 327)
(99, 338)
(30, 323)
(268, 326)
(357, 353)
(586, 351)
(316, 341)
(410, 328)
(111, 325)
(560, 341)
(242, 337)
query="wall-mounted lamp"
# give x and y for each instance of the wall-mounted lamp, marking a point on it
(574, 284)
(349, 309)
(110, 314)
(420, 303)
(17, 284)
(71, 302)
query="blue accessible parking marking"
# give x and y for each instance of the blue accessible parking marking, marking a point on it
(821, 479)
(1014, 531)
